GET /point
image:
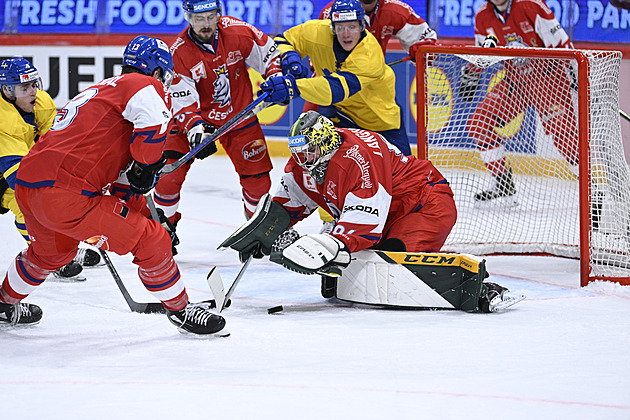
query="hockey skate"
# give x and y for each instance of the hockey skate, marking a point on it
(196, 318)
(88, 258)
(497, 298)
(22, 313)
(69, 273)
(503, 187)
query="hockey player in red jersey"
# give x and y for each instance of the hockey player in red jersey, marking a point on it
(379, 197)
(384, 18)
(521, 24)
(112, 132)
(211, 58)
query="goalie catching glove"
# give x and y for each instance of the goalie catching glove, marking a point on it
(197, 135)
(311, 254)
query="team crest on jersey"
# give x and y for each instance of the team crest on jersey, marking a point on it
(254, 150)
(198, 72)
(221, 87)
(514, 41)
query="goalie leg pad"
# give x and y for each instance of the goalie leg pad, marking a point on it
(266, 224)
(413, 280)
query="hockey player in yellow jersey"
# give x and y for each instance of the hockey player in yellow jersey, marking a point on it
(26, 113)
(353, 87)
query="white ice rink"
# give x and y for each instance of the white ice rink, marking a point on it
(564, 353)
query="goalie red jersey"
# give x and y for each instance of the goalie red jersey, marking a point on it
(393, 17)
(374, 192)
(213, 81)
(525, 23)
(133, 114)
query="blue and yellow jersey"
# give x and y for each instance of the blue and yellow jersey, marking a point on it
(18, 133)
(358, 83)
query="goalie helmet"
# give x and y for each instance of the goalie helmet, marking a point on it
(148, 54)
(17, 71)
(313, 140)
(347, 11)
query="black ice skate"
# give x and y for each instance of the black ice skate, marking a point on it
(196, 318)
(70, 272)
(22, 313)
(88, 258)
(495, 297)
(503, 187)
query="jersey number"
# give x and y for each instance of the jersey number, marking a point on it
(67, 114)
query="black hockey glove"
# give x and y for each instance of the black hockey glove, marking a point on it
(4, 185)
(142, 178)
(170, 228)
(197, 135)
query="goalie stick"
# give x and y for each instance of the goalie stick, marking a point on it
(216, 285)
(249, 111)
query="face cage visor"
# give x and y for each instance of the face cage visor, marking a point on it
(306, 154)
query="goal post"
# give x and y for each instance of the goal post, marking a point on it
(530, 141)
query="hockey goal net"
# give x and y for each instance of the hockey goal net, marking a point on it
(530, 141)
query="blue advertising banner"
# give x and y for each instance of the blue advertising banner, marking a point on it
(150, 16)
(584, 20)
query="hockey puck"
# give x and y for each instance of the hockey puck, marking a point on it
(275, 309)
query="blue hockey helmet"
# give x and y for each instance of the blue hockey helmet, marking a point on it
(16, 71)
(148, 54)
(200, 6)
(347, 11)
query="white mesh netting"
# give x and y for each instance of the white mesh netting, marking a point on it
(504, 131)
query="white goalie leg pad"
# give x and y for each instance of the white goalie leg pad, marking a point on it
(312, 252)
(372, 280)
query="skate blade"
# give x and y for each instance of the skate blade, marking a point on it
(224, 333)
(508, 301)
(74, 279)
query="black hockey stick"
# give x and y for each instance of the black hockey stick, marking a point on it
(141, 308)
(624, 115)
(236, 280)
(249, 111)
(400, 60)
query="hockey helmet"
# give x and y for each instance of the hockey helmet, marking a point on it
(148, 54)
(200, 6)
(347, 11)
(313, 140)
(17, 71)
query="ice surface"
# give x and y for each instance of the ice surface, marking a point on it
(561, 354)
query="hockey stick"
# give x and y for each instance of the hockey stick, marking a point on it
(401, 60)
(216, 285)
(236, 280)
(142, 308)
(624, 115)
(249, 111)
